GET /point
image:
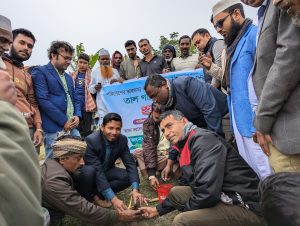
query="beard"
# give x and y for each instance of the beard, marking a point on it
(169, 59)
(234, 31)
(106, 71)
(14, 54)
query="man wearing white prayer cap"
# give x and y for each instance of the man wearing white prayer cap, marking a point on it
(7, 87)
(103, 75)
(6, 37)
(240, 37)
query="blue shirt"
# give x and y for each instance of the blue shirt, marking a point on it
(80, 89)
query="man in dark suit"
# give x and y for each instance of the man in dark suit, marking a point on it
(276, 79)
(59, 106)
(104, 147)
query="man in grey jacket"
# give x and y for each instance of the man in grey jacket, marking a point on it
(276, 79)
(58, 193)
(210, 51)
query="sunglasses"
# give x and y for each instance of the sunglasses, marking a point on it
(219, 24)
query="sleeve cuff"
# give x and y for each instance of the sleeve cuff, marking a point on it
(135, 185)
(173, 154)
(108, 194)
(151, 172)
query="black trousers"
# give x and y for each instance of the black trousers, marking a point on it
(85, 181)
(85, 124)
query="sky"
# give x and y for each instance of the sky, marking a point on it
(107, 24)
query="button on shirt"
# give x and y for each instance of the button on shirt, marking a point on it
(154, 66)
(80, 89)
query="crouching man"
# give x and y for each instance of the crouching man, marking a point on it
(222, 188)
(104, 147)
(157, 154)
(59, 195)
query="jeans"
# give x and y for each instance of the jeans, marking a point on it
(50, 139)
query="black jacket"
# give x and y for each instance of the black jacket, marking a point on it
(95, 154)
(202, 104)
(215, 167)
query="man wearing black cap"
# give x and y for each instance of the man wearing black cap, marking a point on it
(169, 53)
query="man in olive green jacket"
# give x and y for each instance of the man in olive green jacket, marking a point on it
(59, 194)
(20, 190)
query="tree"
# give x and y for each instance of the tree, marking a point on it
(80, 49)
(174, 41)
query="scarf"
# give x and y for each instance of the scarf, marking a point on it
(106, 71)
(230, 51)
(187, 129)
(12, 60)
(209, 47)
(90, 105)
(183, 145)
(170, 101)
(113, 60)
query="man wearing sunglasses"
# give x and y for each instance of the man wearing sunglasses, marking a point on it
(240, 37)
(59, 106)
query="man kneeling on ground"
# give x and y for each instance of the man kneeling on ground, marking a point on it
(222, 187)
(157, 153)
(104, 147)
(58, 193)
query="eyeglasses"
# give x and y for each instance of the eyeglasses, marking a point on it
(66, 58)
(219, 23)
(156, 95)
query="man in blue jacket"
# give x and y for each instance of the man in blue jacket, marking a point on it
(104, 147)
(59, 106)
(202, 104)
(240, 37)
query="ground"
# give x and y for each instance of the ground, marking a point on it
(165, 220)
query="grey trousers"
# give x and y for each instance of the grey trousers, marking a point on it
(219, 215)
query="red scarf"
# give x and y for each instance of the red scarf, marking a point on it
(90, 105)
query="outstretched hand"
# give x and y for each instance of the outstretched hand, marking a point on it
(149, 212)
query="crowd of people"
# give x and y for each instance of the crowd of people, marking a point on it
(252, 75)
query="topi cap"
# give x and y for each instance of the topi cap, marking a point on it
(68, 145)
(223, 5)
(5, 28)
(103, 52)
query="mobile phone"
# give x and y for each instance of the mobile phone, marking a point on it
(201, 54)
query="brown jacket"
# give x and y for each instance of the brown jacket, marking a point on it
(150, 142)
(26, 102)
(58, 193)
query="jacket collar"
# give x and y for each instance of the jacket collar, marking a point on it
(54, 73)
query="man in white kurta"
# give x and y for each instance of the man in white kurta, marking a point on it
(101, 76)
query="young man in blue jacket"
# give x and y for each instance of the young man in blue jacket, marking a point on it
(54, 90)
(104, 147)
